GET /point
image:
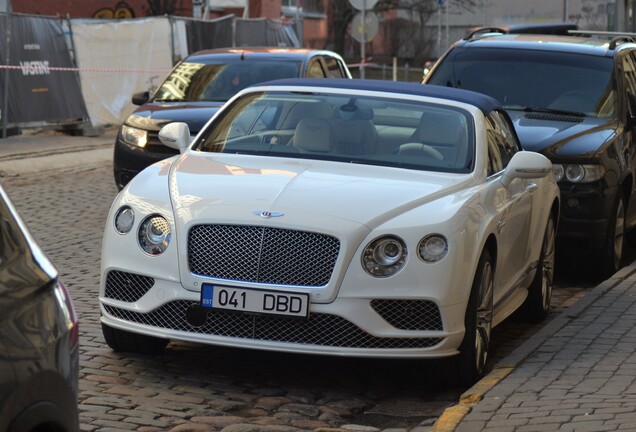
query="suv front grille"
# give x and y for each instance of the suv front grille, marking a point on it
(262, 254)
(319, 329)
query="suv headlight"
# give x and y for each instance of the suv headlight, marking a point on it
(578, 173)
(134, 136)
(384, 256)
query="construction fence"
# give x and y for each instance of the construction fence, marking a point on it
(59, 71)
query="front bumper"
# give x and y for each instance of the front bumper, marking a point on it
(585, 213)
(353, 327)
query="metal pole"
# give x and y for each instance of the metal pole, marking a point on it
(5, 102)
(447, 41)
(565, 10)
(439, 29)
(300, 22)
(363, 43)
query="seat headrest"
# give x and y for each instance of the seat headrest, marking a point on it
(314, 135)
(303, 110)
(437, 128)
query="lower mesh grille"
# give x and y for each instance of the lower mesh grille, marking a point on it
(319, 329)
(409, 314)
(127, 287)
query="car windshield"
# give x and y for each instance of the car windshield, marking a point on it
(345, 128)
(218, 82)
(533, 80)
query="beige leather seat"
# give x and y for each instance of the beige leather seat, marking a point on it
(314, 135)
(443, 132)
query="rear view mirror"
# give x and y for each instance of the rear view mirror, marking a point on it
(176, 136)
(527, 165)
(140, 98)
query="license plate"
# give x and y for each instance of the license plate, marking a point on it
(255, 301)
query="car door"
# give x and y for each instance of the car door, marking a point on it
(513, 208)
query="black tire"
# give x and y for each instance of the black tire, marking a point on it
(473, 351)
(121, 340)
(612, 254)
(535, 307)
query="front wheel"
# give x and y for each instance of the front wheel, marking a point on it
(121, 340)
(473, 351)
(612, 255)
(535, 307)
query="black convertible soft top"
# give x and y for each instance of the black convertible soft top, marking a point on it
(481, 101)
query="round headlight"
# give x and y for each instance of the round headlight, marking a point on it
(124, 220)
(575, 173)
(433, 248)
(154, 235)
(384, 256)
(557, 170)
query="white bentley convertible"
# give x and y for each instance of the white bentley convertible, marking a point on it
(338, 217)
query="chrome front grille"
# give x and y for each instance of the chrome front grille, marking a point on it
(127, 287)
(319, 329)
(409, 314)
(262, 254)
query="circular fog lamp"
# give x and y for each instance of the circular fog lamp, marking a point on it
(433, 248)
(124, 220)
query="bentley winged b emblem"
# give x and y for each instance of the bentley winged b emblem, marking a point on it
(267, 214)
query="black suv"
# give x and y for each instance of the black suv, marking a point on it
(198, 86)
(574, 100)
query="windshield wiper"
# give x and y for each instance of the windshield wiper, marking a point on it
(548, 111)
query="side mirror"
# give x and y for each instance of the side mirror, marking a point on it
(176, 136)
(140, 98)
(527, 165)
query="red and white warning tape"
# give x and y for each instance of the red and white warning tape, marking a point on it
(39, 68)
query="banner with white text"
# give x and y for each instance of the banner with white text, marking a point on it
(41, 89)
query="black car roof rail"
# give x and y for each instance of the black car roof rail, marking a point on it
(617, 37)
(482, 30)
(600, 33)
(619, 40)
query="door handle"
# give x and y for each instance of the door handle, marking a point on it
(532, 187)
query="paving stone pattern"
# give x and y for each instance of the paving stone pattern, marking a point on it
(581, 379)
(193, 387)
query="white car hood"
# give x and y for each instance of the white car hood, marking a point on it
(227, 188)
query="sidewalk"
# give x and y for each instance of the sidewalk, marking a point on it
(41, 151)
(578, 373)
